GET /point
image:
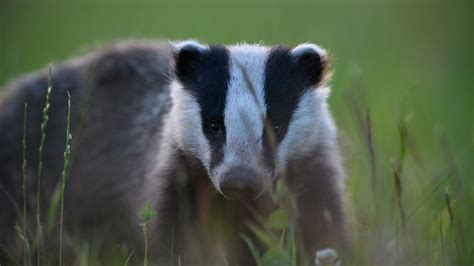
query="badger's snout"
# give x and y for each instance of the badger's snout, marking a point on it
(241, 183)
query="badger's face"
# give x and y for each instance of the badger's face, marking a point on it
(245, 110)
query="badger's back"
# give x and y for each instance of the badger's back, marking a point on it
(119, 94)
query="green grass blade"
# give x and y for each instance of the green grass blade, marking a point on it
(44, 124)
(67, 153)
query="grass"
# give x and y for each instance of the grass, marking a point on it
(22, 233)
(23, 186)
(67, 154)
(44, 123)
(145, 215)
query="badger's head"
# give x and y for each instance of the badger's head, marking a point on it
(244, 111)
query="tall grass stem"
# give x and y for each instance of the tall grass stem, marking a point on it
(44, 123)
(24, 177)
(67, 153)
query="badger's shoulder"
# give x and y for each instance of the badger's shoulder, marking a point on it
(126, 61)
(114, 63)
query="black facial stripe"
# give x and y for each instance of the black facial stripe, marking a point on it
(284, 84)
(206, 75)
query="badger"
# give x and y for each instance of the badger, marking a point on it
(203, 132)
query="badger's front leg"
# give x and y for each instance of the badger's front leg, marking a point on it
(317, 183)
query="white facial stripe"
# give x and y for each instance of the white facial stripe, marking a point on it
(310, 125)
(179, 45)
(187, 125)
(244, 108)
(304, 47)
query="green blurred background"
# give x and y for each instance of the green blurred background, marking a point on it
(409, 61)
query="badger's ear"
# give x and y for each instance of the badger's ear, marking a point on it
(188, 57)
(313, 62)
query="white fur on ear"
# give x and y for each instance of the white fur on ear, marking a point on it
(305, 48)
(190, 44)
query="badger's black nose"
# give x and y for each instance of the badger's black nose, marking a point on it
(241, 183)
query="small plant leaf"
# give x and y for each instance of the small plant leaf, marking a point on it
(278, 220)
(275, 257)
(147, 212)
(262, 235)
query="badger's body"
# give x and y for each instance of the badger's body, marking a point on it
(189, 127)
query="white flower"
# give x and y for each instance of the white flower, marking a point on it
(327, 257)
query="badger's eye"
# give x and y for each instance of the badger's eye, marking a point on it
(214, 126)
(276, 127)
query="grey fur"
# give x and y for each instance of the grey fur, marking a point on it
(120, 96)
